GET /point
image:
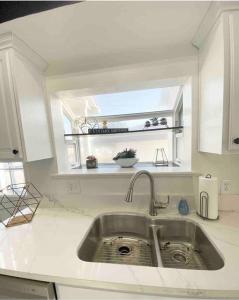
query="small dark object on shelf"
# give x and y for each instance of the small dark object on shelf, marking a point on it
(131, 153)
(147, 124)
(163, 121)
(91, 162)
(155, 121)
(107, 130)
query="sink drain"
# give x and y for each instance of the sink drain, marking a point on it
(124, 250)
(180, 257)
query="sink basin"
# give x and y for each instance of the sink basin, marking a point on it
(120, 238)
(134, 239)
(184, 245)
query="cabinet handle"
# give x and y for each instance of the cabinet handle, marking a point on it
(15, 152)
(236, 141)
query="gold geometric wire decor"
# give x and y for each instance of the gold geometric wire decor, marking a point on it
(18, 203)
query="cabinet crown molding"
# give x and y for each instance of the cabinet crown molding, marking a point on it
(213, 13)
(9, 40)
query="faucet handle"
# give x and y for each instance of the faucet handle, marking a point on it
(158, 204)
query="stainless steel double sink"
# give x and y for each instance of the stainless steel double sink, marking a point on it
(132, 239)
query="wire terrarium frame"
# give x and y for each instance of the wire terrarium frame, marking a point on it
(18, 203)
(160, 158)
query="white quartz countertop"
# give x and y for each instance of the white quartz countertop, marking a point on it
(46, 249)
(118, 171)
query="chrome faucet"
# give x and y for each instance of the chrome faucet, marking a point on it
(154, 205)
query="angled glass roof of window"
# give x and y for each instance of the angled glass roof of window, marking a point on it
(123, 103)
(131, 102)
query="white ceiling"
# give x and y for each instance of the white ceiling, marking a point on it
(93, 35)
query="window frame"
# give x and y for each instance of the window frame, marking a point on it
(72, 141)
(174, 113)
(178, 134)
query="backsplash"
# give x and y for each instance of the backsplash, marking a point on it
(229, 203)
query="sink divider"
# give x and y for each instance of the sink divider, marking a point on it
(156, 245)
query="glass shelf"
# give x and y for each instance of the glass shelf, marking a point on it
(131, 131)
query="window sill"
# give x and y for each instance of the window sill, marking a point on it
(118, 171)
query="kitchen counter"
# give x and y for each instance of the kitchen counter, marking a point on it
(46, 249)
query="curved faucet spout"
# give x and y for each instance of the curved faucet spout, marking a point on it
(129, 195)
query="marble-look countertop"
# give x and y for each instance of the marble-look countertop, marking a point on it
(46, 249)
(118, 171)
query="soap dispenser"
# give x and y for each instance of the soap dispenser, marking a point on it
(183, 207)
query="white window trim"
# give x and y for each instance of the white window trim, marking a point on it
(177, 135)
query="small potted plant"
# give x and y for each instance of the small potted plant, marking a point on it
(91, 162)
(126, 158)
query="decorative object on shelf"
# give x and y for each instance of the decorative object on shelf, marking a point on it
(107, 130)
(18, 203)
(91, 162)
(160, 158)
(94, 123)
(163, 121)
(155, 121)
(105, 124)
(86, 125)
(126, 158)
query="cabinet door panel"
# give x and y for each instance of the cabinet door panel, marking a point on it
(29, 90)
(211, 76)
(234, 82)
(9, 135)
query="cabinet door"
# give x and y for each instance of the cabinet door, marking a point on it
(9, 131)
(211, 77)
(234, 82)
(30, 97)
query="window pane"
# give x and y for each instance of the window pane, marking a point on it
(71, 154)
(5, 178)
(136, 101)
(15, 165)
(144, 109)
(11, 173)
(67, 125)
(105, 147)
(129, 102)
(17, 176)
(138, 124)
(4, 166)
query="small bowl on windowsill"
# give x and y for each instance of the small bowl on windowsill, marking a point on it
(126, 162)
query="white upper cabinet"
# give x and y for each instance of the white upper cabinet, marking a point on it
(24, 130)
(10, 143)
(219, 86)
(234, 82)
